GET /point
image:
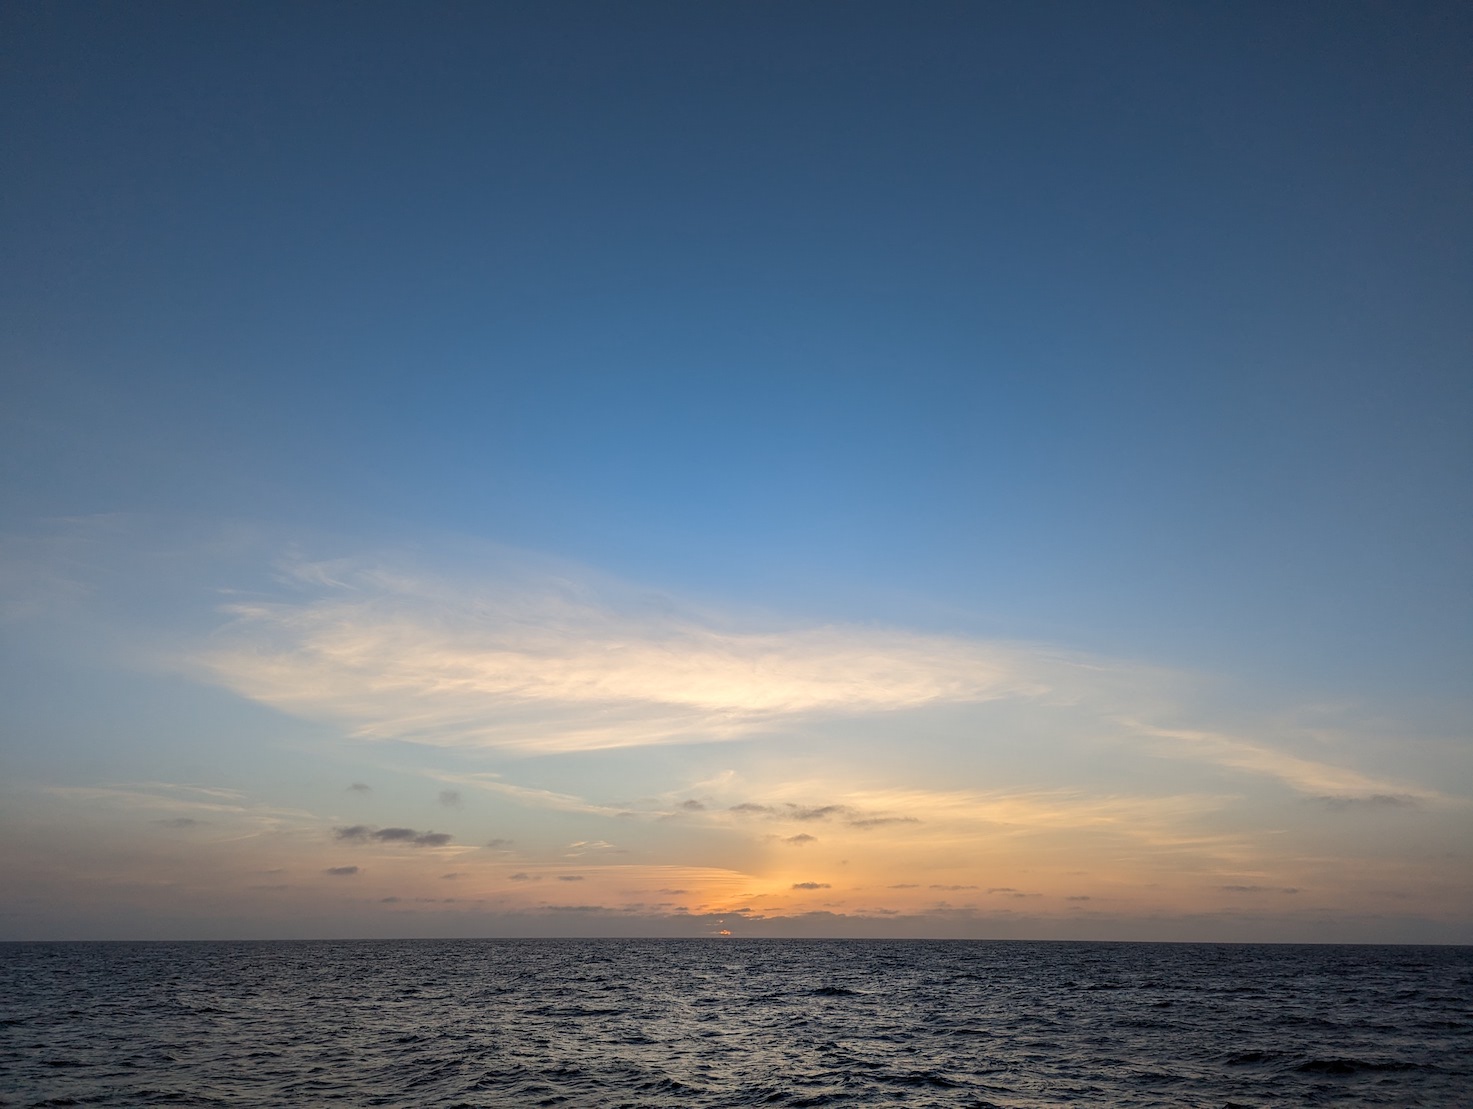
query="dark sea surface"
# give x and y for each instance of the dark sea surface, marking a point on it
(733, 1023)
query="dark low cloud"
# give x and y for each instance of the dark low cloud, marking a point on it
(570, 877)
(904, 886)
(181, 822)
(1370, 801)
(1259, 889)
(673, 893)
(800, 839)
(523, 876)
(576, 909)
(952, 888)
(1001, 889)
(341, 871)
(394, 835)
(454, 874)
(813, 813)
(360, 787)
(1078, 897)
(361, 833)
(880, 821)
(499, 844)
(388, 901)
(450, 797)
(693, 806)
(819, 812)
(811, 886)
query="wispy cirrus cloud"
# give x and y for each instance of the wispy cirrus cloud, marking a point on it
(521, 654)
(1334, 784)
(195, 805)
(549, 667)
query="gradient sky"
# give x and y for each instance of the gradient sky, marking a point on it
(786, 468)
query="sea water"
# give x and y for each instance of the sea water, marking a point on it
(734, 1023)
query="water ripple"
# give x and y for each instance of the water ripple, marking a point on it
(723, 1023)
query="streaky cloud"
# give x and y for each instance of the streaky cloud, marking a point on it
(1307, 776)
(547, 667)
(525, 657)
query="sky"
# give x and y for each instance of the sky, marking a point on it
(807, 469)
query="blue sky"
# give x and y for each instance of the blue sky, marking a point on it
(1012, 433)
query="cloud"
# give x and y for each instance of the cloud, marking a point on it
(362, 833)
(693, 806)
(570, 877)
(1373, 801)
(585, 846)
(360, 787)
(539, 663)
(954, 888)
(807, 814)
(811, 886)
(904, 886)
(450, 798)
(1259, 889)
(523, 876)
(395, 835)
(341, 871)
(534, 798)
(499, 844)
(202, 804)
(822, 812)
(543, 658)
(800, 839)
(1318, 779)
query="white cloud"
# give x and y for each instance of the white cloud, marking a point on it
(544, 666)
(1317, 779)
(222, 805)
(539, 660)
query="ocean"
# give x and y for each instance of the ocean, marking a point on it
(733, 1023)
